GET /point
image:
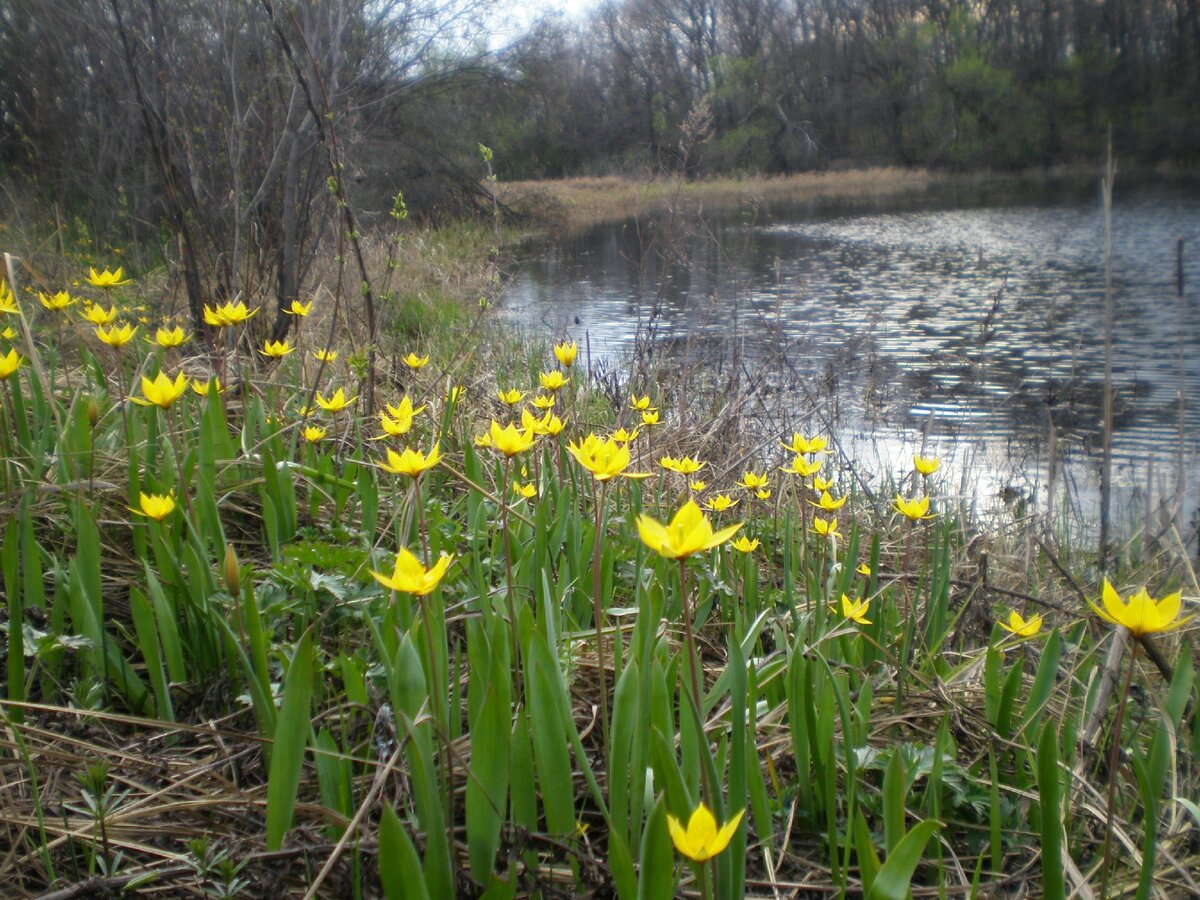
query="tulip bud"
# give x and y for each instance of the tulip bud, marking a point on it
(93, 412)
(233, 574)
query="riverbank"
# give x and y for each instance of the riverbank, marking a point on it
(401, 649)
(574, 204)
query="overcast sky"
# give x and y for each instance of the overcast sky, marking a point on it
(515, 17)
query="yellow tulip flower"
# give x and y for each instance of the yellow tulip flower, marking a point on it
(544, 402)
(325, 356)
(547, 424)
(507, 440)
(395, 426)
(625, 437)
(276, 349)
(59, 301)
(116, 337)
(96, 314)
(684, 465)
(650, 417)
(404, 409)
(299, 309)
(106, 279)
(605, 459)
(801, 445)
(752, 482)
(702, 840)
(688, 532)
(154, 506)
(825, 527)
(528, 491)
(314, 433)
(565, 353)
(412, 463)
(552, 381)
(202, 387)
(1021, 627)
(415, 362)
(926, 465)
(411, 577)
(1141, 614)
(227, 314)
(8, 302)
(721, 502)
(827, 503)
(915, 509)
(512, 397)
(335, 403)
(745, 545)
(167, 338)
(855, 610)
(802, 467)
(641, 404)
(162, 391)
(9, 363)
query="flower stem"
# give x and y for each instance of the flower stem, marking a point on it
(512, 612)
(702, 877)
(1114, 757)
(693, 667)
(421, 520)
(596, 607)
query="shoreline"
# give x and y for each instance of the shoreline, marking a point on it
(574, 204)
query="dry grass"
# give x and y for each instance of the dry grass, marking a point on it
(579, 202)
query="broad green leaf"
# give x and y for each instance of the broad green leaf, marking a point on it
(400, 869)
(291, 737)
(895, 875)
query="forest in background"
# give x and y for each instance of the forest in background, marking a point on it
(799, 84)
(225, 134)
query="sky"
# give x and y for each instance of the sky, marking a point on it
(515, 17)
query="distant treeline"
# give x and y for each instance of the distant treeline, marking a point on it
(795, 84)
(194, 113)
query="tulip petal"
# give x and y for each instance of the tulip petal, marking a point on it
(1168, 608)
(679, 837)
(652, 533)
(702, 828)
(725, 835)
(723, 535)
(1113, 604)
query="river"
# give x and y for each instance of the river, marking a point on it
(970, 323)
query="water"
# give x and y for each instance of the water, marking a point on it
(967, 323)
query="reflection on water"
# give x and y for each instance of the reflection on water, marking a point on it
(973, 321)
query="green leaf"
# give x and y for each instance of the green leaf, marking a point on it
(1044, 681)
(868, 860)
(400, 869)
(550, 748)
(291, 737)
(487, 787)
(168, 628)
(143, 623)
(1050, 795)
(895, 876)
(656, 881)
(895, 789)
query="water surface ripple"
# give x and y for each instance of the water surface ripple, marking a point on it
(981, 314)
